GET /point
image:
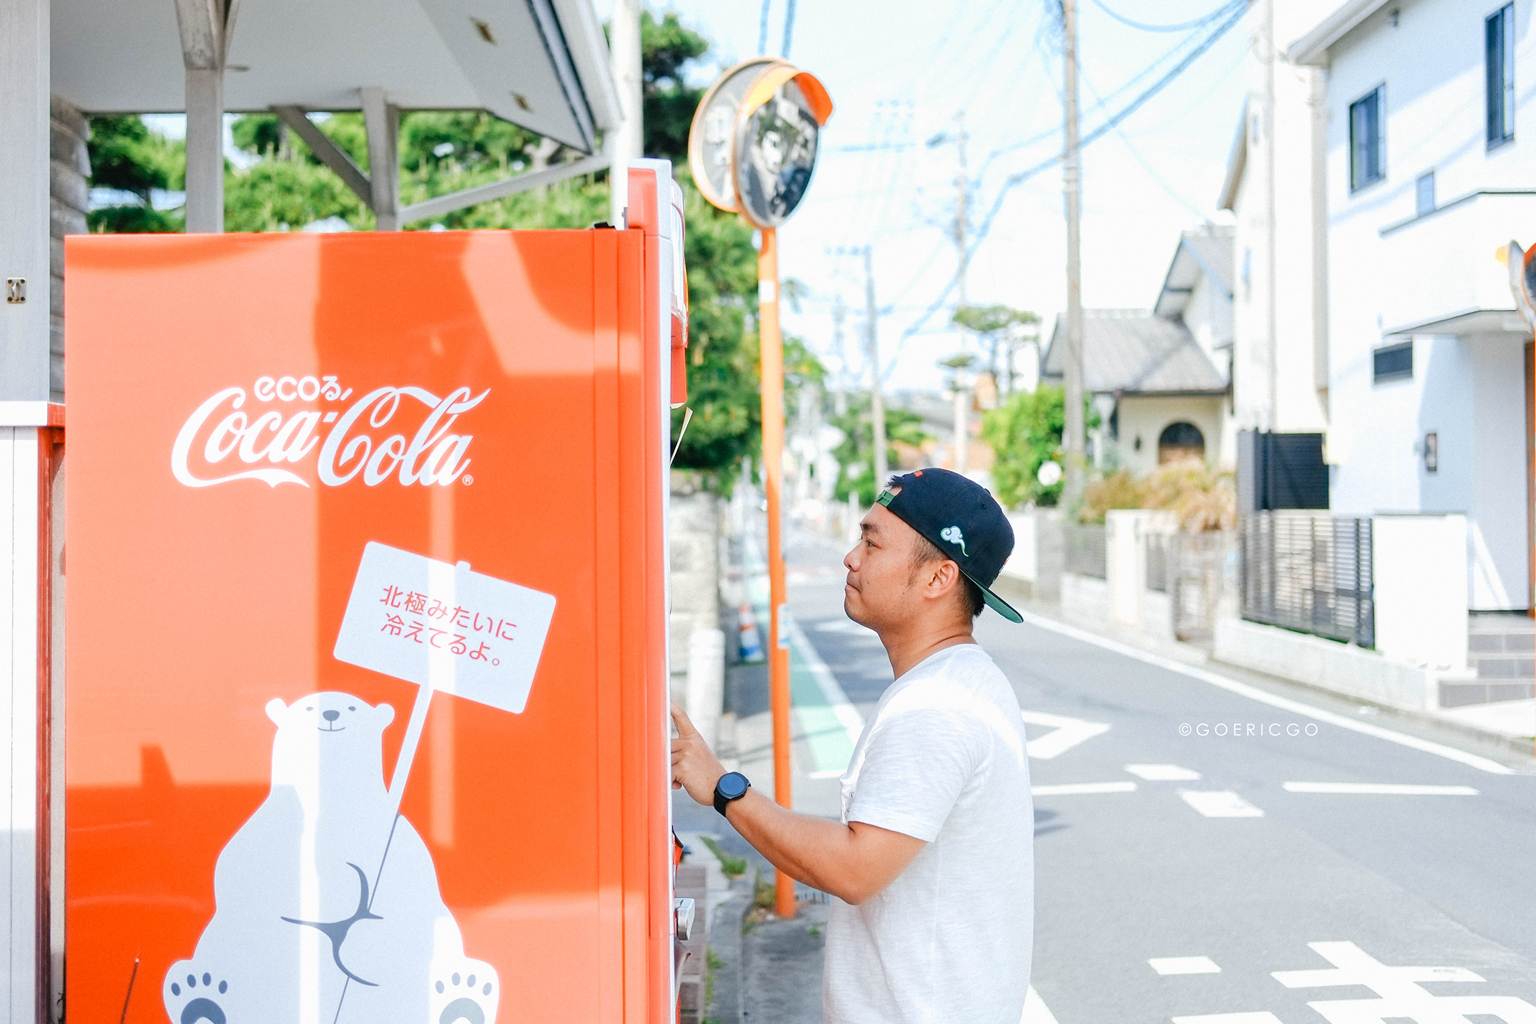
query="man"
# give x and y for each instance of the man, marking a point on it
(933, 862)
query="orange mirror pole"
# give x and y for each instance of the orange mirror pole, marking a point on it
(772, 362)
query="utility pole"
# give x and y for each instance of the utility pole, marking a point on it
(1072, 370)
(872, 350)
(628, 139)
(840, 395)
(962, 207)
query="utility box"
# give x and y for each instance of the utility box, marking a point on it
(366, 611)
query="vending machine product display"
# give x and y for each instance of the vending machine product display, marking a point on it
(366, 624)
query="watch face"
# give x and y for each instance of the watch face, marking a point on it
(732, 785)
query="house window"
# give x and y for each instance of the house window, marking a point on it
(1424, 194)
(1499, 37)
(1366, 163)
(1393, 362)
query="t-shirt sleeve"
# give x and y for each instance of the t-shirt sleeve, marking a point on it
(917, 764)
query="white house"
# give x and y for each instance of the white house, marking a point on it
(1430, 167)
(1159, 376)
(1275, 188)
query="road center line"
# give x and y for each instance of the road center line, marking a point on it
(1273, 700)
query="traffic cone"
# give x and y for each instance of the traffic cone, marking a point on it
(751, 641)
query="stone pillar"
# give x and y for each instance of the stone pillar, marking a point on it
(24, 81)
(694, 532)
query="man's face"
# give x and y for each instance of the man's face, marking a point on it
(882, 582)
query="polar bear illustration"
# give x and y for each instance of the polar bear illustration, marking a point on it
(313, 924)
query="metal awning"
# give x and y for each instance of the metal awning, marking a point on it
(541, 64)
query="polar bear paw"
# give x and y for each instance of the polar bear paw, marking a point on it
(192, 995)
(463, 991)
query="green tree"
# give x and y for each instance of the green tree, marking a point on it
(993, 324)
(667, 50)
(1025, 431)
(127, 156)
(856, 453)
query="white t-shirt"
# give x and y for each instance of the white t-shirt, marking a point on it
(943, 759)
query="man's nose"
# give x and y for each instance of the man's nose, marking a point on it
(331, 716)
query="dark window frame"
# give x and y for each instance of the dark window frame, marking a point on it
(1394, 369)
(1499, 76)
(1368, 157)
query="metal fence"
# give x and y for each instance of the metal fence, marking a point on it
(1308, 572)
(1085, 549)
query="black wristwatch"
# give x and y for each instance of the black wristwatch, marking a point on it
(732, 786)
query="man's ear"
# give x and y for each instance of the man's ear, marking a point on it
(386, 714)
(942, 578)
(275, 708)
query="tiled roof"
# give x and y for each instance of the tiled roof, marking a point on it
(1134, 352)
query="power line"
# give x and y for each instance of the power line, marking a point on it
(1238, 9)
(1205, 19)
(762, 32)
(1158, 178)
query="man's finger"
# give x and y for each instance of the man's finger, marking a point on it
(680, 719)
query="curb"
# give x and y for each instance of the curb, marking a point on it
(726, 1002)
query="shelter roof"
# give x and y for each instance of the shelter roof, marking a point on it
(541, 64)
(1135, 352)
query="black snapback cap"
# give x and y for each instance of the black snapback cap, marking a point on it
(962, 519)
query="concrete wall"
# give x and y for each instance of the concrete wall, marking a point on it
(1341, 668)
(1390, 268)
(1419, 571)
(695, 644)
(1144, 417)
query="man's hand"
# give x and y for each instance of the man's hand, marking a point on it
(694, 767)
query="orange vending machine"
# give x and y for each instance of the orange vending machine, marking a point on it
(366, 612)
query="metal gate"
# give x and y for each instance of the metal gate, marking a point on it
(1308, 572)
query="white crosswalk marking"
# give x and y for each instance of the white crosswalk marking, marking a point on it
(1398, 990)
(1163, 773)
(1066, 733)
(1184, 965)
(1220, 803)
(1259, 1017)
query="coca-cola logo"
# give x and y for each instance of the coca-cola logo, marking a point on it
(372, 437)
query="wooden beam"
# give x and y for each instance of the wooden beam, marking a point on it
(382, 120)
(497, 189)
(330, 154)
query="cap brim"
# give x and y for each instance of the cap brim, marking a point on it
(994, 602)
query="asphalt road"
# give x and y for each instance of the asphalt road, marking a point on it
(1192, 844)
